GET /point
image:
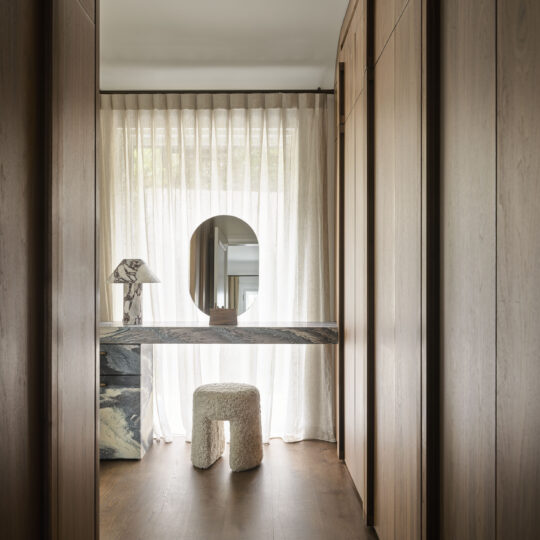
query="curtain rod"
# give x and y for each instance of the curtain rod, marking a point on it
(318, 91)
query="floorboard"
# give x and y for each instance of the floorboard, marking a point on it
(301, 491)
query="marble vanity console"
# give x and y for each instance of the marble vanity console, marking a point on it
(126, 370)
(202, 333)
(126, 429)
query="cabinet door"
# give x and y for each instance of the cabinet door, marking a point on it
(348, 58)
(349, 297)
(518, 263)
(361, 296)
(358, 27)
(384, 294)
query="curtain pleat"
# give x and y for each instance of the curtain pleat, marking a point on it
(171, 161)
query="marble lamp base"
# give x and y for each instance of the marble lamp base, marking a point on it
(132, 303)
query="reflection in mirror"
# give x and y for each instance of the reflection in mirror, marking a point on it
(224, 265)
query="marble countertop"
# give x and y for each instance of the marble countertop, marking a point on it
(302, 333)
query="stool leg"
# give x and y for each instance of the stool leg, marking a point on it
(207, 442)
(246, 450)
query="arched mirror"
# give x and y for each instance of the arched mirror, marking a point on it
(224, 265)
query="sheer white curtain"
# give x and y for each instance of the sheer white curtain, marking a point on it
(170, 161)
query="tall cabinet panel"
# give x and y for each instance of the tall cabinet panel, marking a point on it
(22, 201)
(518, 264)
(73, 284)
(361, 299)
(468, 161)
(455, 118)
(408, 335)
(398, 236)
(349, 299)
(355, 242)
(385, 248)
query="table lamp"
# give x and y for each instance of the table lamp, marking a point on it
(132, 273)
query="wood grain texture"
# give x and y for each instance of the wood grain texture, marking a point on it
(387, 15)
(300, 492)
(468, 269)
(361, 298)
(349, 59)
(346, 23)
(518, 263)
(22, 183)
(385, 385)
(398, 285)
(360, 65)
(349, 298)
(355, 247)
(384, 24)
(72, 300)
(408, 287)
(89, 6)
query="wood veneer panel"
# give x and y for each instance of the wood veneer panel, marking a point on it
(385, 386)
(518, 263)
(346, 22)
(349, 297)
(90, 7)
(468, 269)
(22, 272)
(384, 24)
(360, 65)
(361, 297)
(73, 334)
(408, 286)
(348, 57)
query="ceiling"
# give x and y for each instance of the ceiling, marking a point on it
(219, 44)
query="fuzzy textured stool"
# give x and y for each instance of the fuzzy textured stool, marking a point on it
(240, 405)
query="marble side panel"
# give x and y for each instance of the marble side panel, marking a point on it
(120, 420)
(120, 359)
(147, 404)
(302, 334)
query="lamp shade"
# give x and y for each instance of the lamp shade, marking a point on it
(132, 271)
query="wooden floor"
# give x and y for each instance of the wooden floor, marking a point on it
(301, 491)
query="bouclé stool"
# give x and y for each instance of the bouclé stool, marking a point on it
(240, 405)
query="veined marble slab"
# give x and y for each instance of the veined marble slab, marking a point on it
(120, 359)
(126, 430)
(202, 333)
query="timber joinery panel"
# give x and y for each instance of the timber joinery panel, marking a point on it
(518, 264)
(398, 250)
(408, 277)
(397, 266)
(73, 295)
(453, 132)
(353, 54)
(350, 78)
(361, 301)
(468, 160)
(22, 196)
(349, 298)
(385, 385)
